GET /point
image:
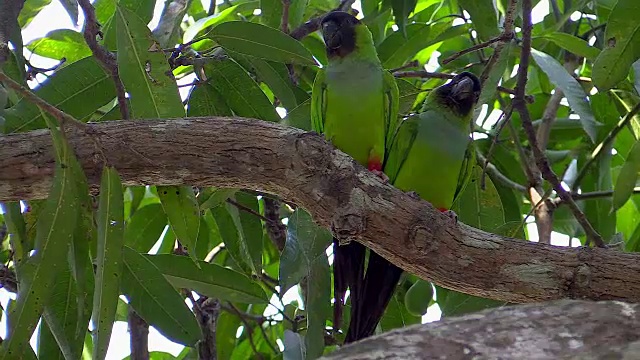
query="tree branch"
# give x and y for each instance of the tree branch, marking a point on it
(567, 329)
(139, 335)
(541, 160)
(104, 56)
(314, 23)
(340, 194)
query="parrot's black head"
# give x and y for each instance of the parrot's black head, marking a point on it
(338, 31)
(461, 93)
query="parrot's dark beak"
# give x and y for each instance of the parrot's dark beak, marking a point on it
(331, 35)
(465, 87)
(462, 92)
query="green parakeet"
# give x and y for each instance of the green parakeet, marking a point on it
(431, 153)
(354, 104)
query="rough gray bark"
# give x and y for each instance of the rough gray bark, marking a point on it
(340, 194)
(566, 329)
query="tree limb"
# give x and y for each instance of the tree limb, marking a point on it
(340, 194)
(566, 329)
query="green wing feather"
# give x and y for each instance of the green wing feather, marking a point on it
(466, 170)
(392, 106)
(318, 102)
(402, 140)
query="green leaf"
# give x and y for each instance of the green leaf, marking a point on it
(137, 195)
(18, 229)
(261, 41)
(145, 227)
(61, 43)
(108, 260)
(61, 318)
(480, 208)
(225, 15)
(627, 178)
(299, 117)
(271, 13)
(30, 9)
(231, 237)
(576, 96)
(71, 6)
(242, 93)
(106, 10)
(293, 346)
(408, 94)
(249, 228)
(573, 44)
(55, 228)
(156, 300)
(401, 10)
(318, 305)
(212, 197)
(614, 62)
(489, 87)
(395, 50)
(78, 89)
(453, 303)
(205, 100)
(144, 70)
(396, 314)
(226, 330)
(306, 242)
(276, 76)
(484, 17)
(210, 280)
(47, 345)
(181, 207)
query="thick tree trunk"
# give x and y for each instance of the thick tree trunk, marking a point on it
(566, 329)
(340, 194)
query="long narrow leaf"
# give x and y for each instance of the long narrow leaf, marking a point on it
(109, 259)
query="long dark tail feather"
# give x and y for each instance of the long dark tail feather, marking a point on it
(348, 272)
(369, 305)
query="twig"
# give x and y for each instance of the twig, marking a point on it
(59, 115)
(538, 154)
(502, 38)
(284, 23)
(139, 335)
(207, 310)
(248, 210)
(314, 23)
(423, 74)
(104, 57)
(509, 20)
(247, 327)
(588, 33)
(505, 118)
(410, 64)
(593, 195)
(212, 7)
(437, 75)
(490, 168)
(34, 70)
(604, 144)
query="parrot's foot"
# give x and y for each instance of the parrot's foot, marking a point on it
(413, 194)
(450, 214)
(381, 175)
